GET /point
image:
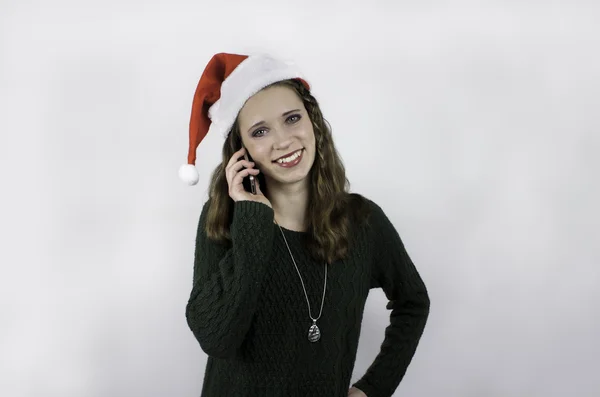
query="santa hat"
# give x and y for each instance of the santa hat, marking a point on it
(227, 82)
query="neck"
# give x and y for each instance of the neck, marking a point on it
(289, 204)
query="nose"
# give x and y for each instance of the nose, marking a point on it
(281, 139)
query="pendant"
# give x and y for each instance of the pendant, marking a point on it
(314, 333)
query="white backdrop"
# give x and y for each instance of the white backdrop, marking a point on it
(475, 127)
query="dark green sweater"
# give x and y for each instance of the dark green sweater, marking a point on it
(248, 311)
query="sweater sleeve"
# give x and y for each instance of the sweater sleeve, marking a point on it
(394, 272)
(227, 281)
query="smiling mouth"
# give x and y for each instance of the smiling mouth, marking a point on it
(298, 153)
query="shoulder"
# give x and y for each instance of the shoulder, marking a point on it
(364, 203)
(365, 211)
(376, 220)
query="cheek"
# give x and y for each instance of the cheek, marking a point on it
(308, 132)
(261, 156)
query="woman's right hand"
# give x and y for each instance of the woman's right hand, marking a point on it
(235, 177)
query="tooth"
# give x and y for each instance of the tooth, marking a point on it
(288, 159)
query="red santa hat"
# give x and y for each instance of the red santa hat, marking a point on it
(227, 82)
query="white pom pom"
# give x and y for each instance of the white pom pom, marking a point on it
(189, 174)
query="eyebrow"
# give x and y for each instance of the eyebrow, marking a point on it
(283, 115)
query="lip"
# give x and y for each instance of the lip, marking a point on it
(287, 155)
(291, 164)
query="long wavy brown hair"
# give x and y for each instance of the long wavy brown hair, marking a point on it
(332, 211)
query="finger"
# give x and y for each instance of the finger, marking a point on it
(238, 178)
(238, 164)
(235, 167)
(235, 157)
(243, 164)
(244, 173)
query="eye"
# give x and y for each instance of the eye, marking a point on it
(293, 119)
(296, 116)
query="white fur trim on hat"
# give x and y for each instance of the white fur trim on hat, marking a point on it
(189, 174)
(249, 77)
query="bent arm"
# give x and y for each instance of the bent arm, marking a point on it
(395, 273)
(227, 281)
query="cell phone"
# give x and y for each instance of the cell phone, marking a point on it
(250, 185)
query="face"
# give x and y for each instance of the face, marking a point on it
(273, 124)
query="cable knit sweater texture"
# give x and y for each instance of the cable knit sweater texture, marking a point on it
(248, 311)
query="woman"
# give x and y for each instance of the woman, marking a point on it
(281, 275)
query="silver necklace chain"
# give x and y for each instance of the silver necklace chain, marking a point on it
(314, 333)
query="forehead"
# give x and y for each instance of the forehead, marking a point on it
(270, 103)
